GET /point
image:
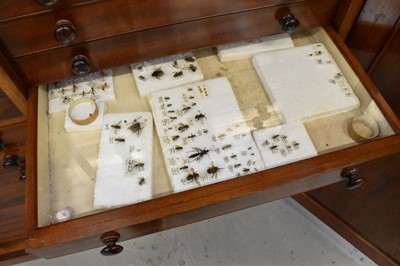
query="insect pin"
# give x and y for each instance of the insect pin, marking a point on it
(157, 73)
(136, 127)
(213, 170)
(198, 154)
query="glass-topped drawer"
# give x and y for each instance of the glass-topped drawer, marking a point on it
(235, 141)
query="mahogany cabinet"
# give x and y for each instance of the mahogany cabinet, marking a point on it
(369, 217)
(120, 32)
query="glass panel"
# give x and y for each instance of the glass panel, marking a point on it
(233, 123)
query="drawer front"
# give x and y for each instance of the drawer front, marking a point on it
(12, 9)
(12, 136)
(137, 224)
(110, 18)
(144, 45)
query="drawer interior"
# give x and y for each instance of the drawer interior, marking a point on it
(67, 162)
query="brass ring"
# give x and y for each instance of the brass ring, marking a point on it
(83, 111)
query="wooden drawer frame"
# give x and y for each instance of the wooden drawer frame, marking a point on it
(140, 45)
(205, 202)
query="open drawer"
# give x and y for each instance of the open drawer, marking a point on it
(49, 189)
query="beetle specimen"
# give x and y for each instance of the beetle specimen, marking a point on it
(142, 181)
(142, 78)
(200, 116)
(178, 148)
(183, 127)
(136, 127)
(157, 73)
(169, 105)
(245, 170)
(198, 154)
(193, 67)
(213, 170)
(192, 176)
(190, 59)
(175, 137)
(178, 74)
(233, 156)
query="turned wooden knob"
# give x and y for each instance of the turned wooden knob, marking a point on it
(81, 65)
(10, 161)
(22, 175)
(354, 178)
(289, 23)
(110, 240)
(64, 31)
(47, 2)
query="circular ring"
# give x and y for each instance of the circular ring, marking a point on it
(363, 128)
(83, 111)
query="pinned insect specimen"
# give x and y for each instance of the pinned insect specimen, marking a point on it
(192, 176)
(225, 147)
(175, 64)
(136, 127)
(142, 181)
(295, 145)
(139, 166)
(157, 73)
(200, 116)
(183, 127)
(66, 100)
(190, 89)
(74, 88)
(172, 118)
(178, 74)
(284, 138)
(119, 139)
(175, 137)
(190, 59)
(191, 136)
(237, 165)
(171, 111)
(186, 108)
(245, 170)
(142, 78)
(183, 167)
(233, 156)
(191, 97)
(198, 154)
(192, 67)
(283, 152)
(166, 98)
(178, 148)
(104, 86)
(273, 148)
(275, 137)
(213, 170)
(169, 105)
(140, 68)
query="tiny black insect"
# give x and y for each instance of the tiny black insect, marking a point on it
(142, 78)
(237, 165)
(191, 136)
(139, 166)
(213, 170)
(184, 167)
(190, 59)
(178, 148)
(200, 116)
(157, 73)
(245, 170)
(192, 176)
(183, 127)
(175, 137)
(226, 146)
(172, 118)
(136, 127)
(142, 181)
(116, 126)
(178, 74)
(185, 109)
(119, 139)
(193, 67)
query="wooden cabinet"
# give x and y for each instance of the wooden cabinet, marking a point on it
(369, 216)
(115, 33)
